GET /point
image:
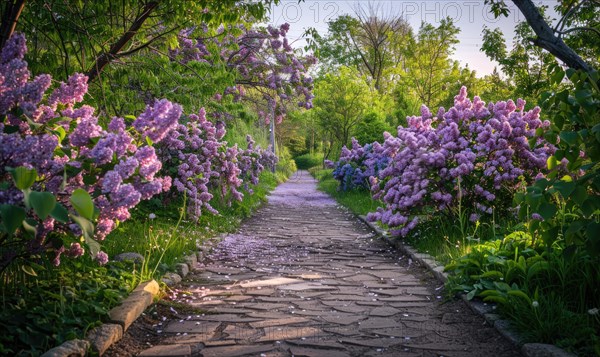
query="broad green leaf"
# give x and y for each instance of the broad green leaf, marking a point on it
(569, 137)
(42, 202)
(565, 188)
(60, 213)
(82, 202)
(593, 238)
(23, 177)
(12, 217)
(30, 226)
(547, 210)
(551, 162)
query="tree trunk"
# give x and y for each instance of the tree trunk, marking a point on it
(546, 38)
(105, 58)
(10, 17)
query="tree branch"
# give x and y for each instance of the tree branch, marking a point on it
(546, 38)
(105, 58)
(10, 18)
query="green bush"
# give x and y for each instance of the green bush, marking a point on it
(306, 161)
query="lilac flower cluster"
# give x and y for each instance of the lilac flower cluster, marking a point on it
(358, 164)
(259, 58)
(474, 155)
(109, 164)
(204, 162)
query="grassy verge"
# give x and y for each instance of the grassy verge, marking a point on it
(357, 201)
(62, 303)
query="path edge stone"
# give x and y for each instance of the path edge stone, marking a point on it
(100, 338)
(502, 326)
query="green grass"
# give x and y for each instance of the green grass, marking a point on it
(357, 201)
(307, 161)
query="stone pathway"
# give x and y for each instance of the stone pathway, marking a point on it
(305, 278)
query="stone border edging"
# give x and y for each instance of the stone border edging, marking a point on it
(121, 317)
(483, 309)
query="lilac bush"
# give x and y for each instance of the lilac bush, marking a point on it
(472, 157)
(357, 164)
(73, 158)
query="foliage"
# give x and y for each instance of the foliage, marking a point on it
(73, 178)
(62, 304)
(525, 64)
(371, 128)
(340, 103)
(538, 290)
(66, 165)
(568, 206)
(429, 62)
(306, 161)
(260, 59)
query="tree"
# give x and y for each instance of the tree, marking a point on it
(86, 36)
(374, 43)
(525, 64)
(429, 62)
(340, 102)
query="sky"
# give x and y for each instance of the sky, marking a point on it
(470, 16)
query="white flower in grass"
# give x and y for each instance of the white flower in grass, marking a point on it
(535, 304)
(151, 216)
(593, 311)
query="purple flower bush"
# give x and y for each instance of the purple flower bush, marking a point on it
(64, 176)
(473, 157)
(70, 151)
(357, 164)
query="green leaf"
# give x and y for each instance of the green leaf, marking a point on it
(551, 162)
(565, 188)
(82, 202)
(28, 270)
(42, 202)
(12, 217)
(149, 141)
(88, 234)
(23, 177)
(593, 238)
(30, 226)
(547, 210)
(569, 137)
(60, 213)
(471, 294)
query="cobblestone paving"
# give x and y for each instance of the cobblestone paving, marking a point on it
(305, 278)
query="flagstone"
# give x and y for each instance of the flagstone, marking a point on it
(235, 351)
(190, 326)
(378, 322)
(289, 333)
(384, 311)
(279, 322)
(270, 282)
(312, 352)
